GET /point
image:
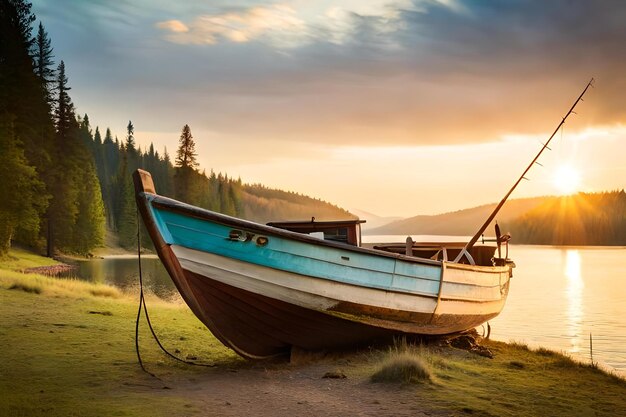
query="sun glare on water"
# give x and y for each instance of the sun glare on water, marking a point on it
(566, 179)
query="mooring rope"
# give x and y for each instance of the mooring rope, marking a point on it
(142, 305)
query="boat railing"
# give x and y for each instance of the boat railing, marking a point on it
(444, 251)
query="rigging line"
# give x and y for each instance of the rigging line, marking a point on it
(142, 302)
(561, 141)
(480, 231)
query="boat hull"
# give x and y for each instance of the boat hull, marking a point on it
(289, 290)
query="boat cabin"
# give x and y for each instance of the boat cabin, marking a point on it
(342, 231)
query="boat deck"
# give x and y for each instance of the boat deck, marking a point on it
(482, 254)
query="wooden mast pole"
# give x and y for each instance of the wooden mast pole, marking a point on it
(474, 239)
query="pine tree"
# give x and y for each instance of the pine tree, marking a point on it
(89, 227)
(213, 193)
(117, 188)
(150, 161)
(43, 62)
(98, 153)
(17, 19)
(22, 193)
(132, 153)
(75, 221)
(97, 137)
(64, 115)
(125, 215)
(123, 196)
(86, 134)
(22, 107)
(166, 176)
(185, 167)
(186, 154)
(21, 92)
(110, 166)
(130, 138)
(63, 209)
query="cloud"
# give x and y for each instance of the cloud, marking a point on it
(174, 26)
(277, 22)
(351, 72)
(289, 25)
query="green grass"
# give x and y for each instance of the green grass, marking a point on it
(68, 350)
(519, 381)
(19, 259)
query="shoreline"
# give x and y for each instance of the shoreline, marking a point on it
(59, 267)
(78, 345)
(50, 270)
(67, 341)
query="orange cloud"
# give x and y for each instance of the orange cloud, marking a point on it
(174, 26)
(278, 22)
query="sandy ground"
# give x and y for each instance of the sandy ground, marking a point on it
(294, 390)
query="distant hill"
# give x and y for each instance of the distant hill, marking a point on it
(372, 220)
(463, 222)
(262, 204)
(581, 219)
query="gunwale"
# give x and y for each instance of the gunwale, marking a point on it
(190, 284)
(166, 203)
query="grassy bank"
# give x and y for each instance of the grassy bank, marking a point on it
(68, 350)
(518, 381)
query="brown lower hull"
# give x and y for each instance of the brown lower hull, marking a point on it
(257, 326)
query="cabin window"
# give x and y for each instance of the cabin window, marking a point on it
(339, 234)
(343, 231)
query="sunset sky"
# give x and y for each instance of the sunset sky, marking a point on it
(392, 107)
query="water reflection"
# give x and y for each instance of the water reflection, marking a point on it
(574, 294)
(123, 272)
(559, 295)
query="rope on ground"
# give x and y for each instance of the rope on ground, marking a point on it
(142, 305)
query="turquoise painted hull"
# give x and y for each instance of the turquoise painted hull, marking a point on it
(307, 258)
(262, 290)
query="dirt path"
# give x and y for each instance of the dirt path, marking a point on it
(297, 390)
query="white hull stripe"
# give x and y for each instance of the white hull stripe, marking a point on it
(317, 293)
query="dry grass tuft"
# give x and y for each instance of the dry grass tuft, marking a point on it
(403, 363)
(519, 345)
(546, 352)
(517, 365)
(403, 368)
(26, 287)
(69, 288)
(105, 291)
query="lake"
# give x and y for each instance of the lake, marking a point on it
(122, 271)
(558, 296)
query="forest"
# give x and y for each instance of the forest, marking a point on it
(580, 219)
(63, 184)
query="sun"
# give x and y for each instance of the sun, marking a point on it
(566, 179)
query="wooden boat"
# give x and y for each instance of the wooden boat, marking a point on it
(263, 289)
